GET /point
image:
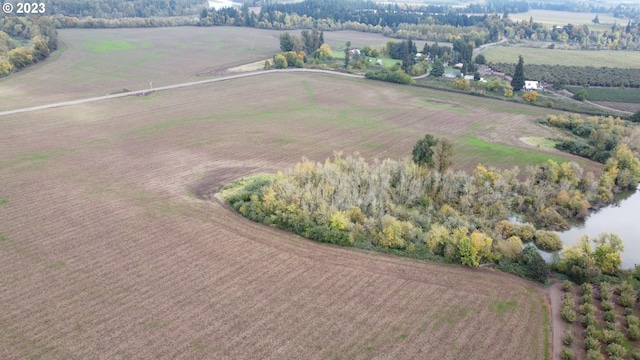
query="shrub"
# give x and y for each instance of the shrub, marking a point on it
(591, 344)
(605, 291)
(548, 240)
(592, 331)
(568, 338)
(567, 300)
(280, 62)
(568, 314)
(595, 354)
(588, 319)
(612, 336)
(567, 354)
(530, 96)
(627, 299)
(586, 289)
(526, 232)
(607, 305)
(586, 299)
(632, 320)
(610, 316)
(635, 118)
(616, 350)
(566, 286)
(397, 76)
(633, 332)
(623, 287)
(586, 309)
(628, 311)
(635, 354)
(580, 95)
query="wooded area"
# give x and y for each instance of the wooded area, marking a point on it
(24, 41)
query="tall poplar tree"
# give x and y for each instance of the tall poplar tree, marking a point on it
(518, 77)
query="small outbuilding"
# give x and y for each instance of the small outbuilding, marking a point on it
(531, 85)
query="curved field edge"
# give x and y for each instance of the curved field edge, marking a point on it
(499, 306)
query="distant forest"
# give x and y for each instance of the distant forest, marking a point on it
(113, 9)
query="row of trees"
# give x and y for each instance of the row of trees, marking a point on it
(421, 22)
(112, 9)
(38, 33)
(602, 331)
(576, 75)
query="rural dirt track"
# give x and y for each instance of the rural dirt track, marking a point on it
(168, 87)
(108, 252)
(557, 324)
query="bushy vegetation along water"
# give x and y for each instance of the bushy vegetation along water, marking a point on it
(460, 217)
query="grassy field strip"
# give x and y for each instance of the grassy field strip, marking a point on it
(561, 18)
(612, 59)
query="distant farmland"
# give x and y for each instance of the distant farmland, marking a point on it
(561, 18)
(113, 242)
(608, 58)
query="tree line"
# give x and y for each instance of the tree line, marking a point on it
(113, 9)
(576, 75)
(38, 34)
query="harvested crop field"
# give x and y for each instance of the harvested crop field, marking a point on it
(113, 245)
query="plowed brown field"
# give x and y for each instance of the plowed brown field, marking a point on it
(108, 250)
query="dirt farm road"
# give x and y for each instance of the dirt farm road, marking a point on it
(557, 325)
(170, 87)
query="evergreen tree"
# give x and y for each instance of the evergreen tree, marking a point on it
(408, 55)
(286, 42)
(346, 54)
(518, 76)
(438, 68)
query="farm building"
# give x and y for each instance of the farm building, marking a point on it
(531, 85)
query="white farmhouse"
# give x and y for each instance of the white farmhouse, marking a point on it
(531, 85)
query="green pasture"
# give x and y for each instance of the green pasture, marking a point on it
(596, 58)
(622, 95)
(495, 154)
(109, 45)
(560, 18)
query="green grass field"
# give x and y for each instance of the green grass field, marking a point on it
(610, 94)
(550, 18)
(606, 58)
(494, 153)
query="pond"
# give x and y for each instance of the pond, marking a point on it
(622, 219)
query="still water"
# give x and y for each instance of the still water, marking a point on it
(622, 219)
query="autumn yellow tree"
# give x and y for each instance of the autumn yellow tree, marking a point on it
(324, 52)
(530, 96)
(508, 91)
